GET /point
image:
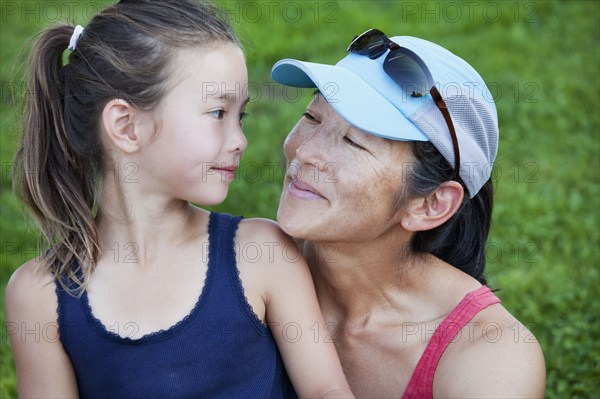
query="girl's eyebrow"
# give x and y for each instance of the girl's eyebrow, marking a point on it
(228, 97)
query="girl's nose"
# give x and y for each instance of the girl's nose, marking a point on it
(238, 140)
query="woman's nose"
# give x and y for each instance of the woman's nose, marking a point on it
(306, 144)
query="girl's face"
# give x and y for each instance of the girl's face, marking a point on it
(342, 184)
(199, 140)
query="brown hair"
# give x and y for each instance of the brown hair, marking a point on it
(124, 52)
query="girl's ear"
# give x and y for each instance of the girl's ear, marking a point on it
(427, 213)
(122, 127)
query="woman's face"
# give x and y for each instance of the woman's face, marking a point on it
(342, 184)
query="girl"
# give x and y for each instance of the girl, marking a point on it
(146, 293)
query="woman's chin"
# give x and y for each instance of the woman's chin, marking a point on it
(291, 222)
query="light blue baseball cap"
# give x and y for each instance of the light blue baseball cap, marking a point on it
(362, 93)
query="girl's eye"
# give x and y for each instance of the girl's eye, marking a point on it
(218, 113)
(243, 116)
(353, 143)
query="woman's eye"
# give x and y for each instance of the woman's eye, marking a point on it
(353, 143)
(308, 116)
(218, 113)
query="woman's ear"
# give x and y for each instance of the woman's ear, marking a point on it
(427, 213)
(120, 121)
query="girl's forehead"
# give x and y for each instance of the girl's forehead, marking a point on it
(210, 61)
(211, 71)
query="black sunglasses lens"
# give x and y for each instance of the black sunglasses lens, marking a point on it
(407, 73)
(370, 43)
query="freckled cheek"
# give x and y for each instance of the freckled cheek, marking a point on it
(363, 190)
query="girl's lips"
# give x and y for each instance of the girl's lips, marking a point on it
(231, 168)
(301, 190)
(227, 171)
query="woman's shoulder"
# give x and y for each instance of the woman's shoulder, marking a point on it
(498, 356)
(31, 293)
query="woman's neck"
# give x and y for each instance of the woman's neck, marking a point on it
(358, 277)
(371, 283)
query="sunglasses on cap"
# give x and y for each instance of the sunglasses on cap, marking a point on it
(405, 68)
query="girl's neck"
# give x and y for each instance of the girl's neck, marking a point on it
(145, 224)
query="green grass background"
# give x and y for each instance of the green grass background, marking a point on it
(541, 60)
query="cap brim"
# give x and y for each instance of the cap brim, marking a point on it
(351, 97)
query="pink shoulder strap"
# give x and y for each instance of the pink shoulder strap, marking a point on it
(421, 382)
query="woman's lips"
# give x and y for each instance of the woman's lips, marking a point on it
(302, 190)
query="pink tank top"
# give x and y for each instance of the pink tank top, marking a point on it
(421, 382)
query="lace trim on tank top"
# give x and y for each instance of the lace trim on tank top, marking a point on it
(162, 333)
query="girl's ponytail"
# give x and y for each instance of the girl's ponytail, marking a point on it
(55, 181)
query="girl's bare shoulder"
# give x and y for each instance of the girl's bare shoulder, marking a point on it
(265, 236)
(31, 294)
(264, 248)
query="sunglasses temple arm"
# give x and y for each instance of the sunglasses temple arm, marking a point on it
(441, 104)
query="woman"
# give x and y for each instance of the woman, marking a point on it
(388, 192)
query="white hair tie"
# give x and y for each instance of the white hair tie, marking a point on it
(75, 37)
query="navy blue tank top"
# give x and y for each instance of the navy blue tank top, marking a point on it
(219, 350)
